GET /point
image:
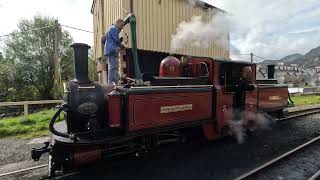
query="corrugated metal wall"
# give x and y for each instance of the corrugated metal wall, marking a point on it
(105, 12)
(157, 21)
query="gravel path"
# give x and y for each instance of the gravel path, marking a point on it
(17, 150)
(14, 150)
(15, 155)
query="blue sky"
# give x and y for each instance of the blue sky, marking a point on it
(269, 28)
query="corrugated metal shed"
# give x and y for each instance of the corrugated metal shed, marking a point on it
(157, 21)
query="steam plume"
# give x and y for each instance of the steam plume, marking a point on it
(240, 122)
(200, 33)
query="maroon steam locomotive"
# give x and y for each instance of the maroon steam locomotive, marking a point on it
(172, 95)
(105, 121)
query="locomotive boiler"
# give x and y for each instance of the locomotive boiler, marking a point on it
(106, 121)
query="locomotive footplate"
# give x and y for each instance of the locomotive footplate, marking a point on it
(103, 138)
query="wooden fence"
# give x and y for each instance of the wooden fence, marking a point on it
(25, 104)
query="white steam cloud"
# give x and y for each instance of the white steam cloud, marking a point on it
(272, 29)
(201, 33)
(240, 122)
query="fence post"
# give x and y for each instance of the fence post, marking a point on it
(25, 107)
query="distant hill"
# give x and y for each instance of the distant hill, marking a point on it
(312, 58)
(292, 58)
(309, 60)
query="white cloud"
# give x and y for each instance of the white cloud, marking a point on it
(273, 29)
(74, 13)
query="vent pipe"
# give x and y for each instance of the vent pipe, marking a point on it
(271, 71)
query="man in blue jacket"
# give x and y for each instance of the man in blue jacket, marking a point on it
(111, 50)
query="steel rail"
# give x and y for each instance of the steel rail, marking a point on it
(277, 159)
(23, 170)
(315, 176)
(303, 112)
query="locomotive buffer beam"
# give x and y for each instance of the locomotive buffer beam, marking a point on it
(36, 153)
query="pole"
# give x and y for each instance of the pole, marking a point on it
(56, 89)
(131, 6)
(25, 110)
(251, 57)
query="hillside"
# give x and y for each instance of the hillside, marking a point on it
(312, 58)
(309, 60)
(292, 58)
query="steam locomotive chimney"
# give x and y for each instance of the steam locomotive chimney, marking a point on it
(81, 62)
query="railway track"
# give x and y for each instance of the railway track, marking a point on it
(288, 115)
(295, 112)
(299, 163)
(43, 166)
(23, 170)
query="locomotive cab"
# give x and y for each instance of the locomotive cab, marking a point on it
(233, 76)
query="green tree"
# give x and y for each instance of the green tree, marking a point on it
(92, 68)
(7, 79)
(30, 51)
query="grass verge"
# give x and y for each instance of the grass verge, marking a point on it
(34, 125)
(303, 100)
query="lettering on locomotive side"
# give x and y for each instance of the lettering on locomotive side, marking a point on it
(176, 108)
(275, 98)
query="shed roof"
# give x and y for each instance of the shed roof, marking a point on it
(199, 3)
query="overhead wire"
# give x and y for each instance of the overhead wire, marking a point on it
(249, 55)
(240, 54)
(41, 28)
(115, 2)
(260, 57)
(76, 28)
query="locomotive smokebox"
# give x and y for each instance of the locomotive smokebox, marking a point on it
(170, 67)
(81, 62)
